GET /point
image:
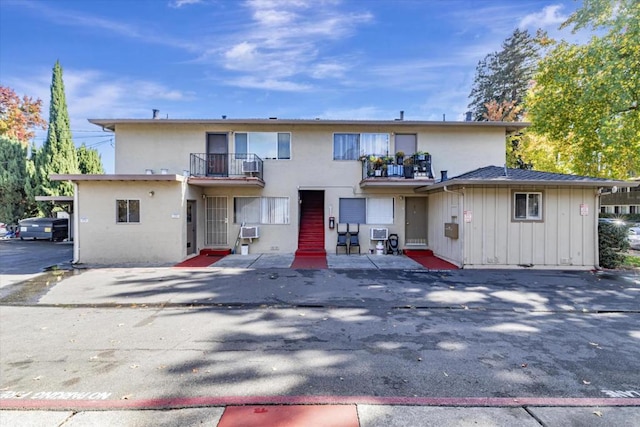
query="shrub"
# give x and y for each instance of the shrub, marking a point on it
(612, 242)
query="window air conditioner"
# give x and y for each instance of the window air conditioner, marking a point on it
(379, 234)
(249, 166)
(249, 233)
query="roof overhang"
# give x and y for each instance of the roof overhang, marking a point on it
(116, 177)
(506, 182)
(55, 199)
(110, 124)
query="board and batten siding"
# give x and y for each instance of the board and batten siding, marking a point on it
(565, 238)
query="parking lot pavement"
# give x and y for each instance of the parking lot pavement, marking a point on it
(25, 259)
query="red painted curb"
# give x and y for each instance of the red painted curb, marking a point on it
(185, 402)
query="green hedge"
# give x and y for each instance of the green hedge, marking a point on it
(612, 243)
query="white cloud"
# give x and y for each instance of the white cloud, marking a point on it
(251, 82)
(179, 3)
(550, 16)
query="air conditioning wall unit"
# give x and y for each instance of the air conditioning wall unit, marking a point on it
(249, 166)
(379, 234)
(249, 232)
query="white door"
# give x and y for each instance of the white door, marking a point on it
(217, 221)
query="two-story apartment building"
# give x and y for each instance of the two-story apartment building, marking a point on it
(285, 186)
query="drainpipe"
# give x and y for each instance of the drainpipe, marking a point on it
(76, 225)
(596, 214)
(461, 195)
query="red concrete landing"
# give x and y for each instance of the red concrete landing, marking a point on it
(316, 262)
(204, 259)
(290, 416)
(427, 259)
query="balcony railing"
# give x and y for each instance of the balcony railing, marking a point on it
(226, 165)
(417, 166)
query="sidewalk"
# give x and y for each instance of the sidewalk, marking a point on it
(338, 415)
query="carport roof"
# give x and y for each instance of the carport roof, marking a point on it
(496, 175)
(117, 177)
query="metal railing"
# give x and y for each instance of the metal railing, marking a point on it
(383, 166)
(225, 165)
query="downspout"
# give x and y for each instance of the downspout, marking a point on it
(461, 195)
(76, 226)
(597, 239)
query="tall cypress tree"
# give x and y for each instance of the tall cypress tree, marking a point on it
(89, 161)
(58, 154)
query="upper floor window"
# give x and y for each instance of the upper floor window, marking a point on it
(527, 206)
(350, 146)
(266, 145)
(127, 211)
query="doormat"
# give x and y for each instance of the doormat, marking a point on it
(316, 262)
(428, 260)
(199, 261)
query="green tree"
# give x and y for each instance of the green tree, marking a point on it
(58, 153)
(14, 201)
(89, 161)
(585, 97)
(502, 78)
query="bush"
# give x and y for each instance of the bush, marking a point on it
(612, 242)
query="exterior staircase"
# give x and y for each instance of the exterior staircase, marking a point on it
(311, 234)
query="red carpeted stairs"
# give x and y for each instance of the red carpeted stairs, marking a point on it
(311, 253)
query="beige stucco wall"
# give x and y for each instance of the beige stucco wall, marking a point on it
(311, 167)
(166, 145)
(159, 237)
(564, 239)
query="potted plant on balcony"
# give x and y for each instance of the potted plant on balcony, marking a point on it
(408, 168)
(400, 157)
(377, 165)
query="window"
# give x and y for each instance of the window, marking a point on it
(366, 211)
(380, 210)
(261, 210)
(266, 145)
(527, 206)
(350, 146)
(127, 211)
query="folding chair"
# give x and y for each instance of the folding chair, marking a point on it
(343, 240)
(354, 239)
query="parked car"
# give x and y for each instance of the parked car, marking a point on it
(54, 229)
(634, 237)
(614, 221)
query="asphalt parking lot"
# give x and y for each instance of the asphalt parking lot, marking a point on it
(21, 259)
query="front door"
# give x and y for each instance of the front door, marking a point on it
(217, 153)
(191, 227)
(217, 221)
(416, 221)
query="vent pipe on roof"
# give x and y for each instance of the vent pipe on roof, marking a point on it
(443, 176)
(156, 114)
(401, 115)
(224, 117)
(444, 118)
(468, 116)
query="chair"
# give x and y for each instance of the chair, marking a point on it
(354, 240)
(343, 240)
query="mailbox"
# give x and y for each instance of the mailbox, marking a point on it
(451, 230)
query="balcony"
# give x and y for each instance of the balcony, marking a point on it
(227, 169)
(387, 171)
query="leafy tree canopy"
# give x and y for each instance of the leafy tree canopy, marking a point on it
(585, 98)
(89, 161)
(19, 116)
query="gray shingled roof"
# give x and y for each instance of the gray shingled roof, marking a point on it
(501, 173)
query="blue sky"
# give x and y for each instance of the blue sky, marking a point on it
(333, 59)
